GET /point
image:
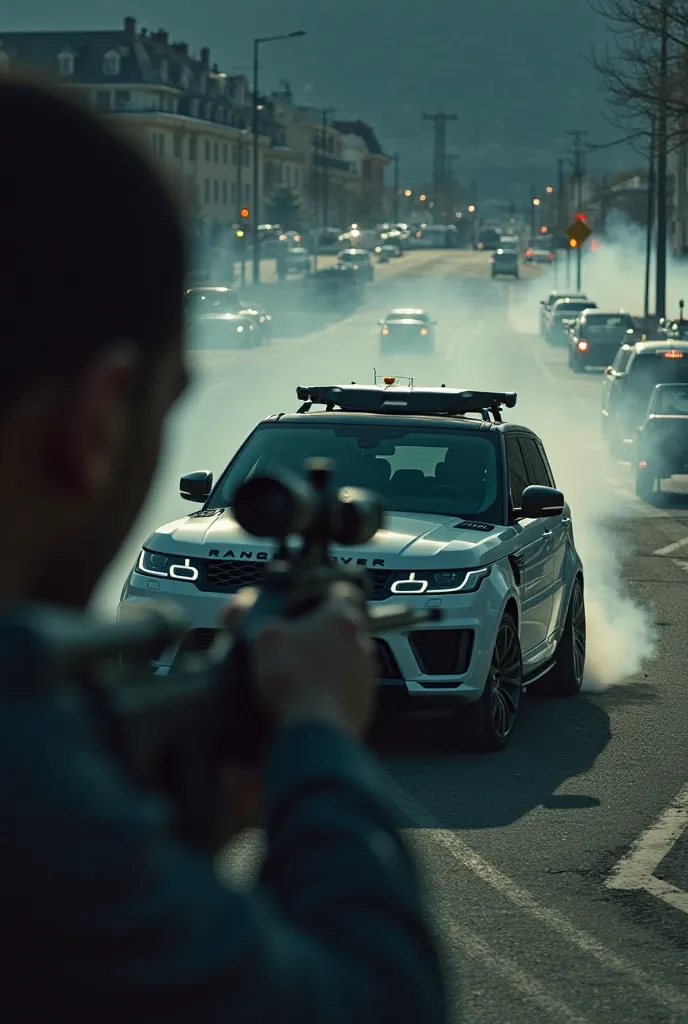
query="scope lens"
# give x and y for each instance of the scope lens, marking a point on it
(274, 506)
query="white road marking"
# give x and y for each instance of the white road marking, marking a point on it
(668, 549)
(637, 869)
(587, 944)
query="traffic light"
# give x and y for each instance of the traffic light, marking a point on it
(581, 217)
(573, 244)
(244, 213)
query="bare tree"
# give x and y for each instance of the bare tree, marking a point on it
(631, 67)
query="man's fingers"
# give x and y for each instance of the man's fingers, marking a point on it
(234, 613)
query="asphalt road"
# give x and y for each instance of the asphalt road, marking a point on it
(551, 902)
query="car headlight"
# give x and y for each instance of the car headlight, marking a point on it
(153, 563)
(449, 581)
(239, 330)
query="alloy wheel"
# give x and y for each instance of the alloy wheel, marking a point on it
(505, 680)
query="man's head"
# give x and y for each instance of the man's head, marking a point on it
(91, 327)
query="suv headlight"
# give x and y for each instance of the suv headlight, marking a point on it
(153, 563)
(446, 581)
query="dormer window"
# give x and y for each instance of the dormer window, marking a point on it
(65, 63)
(112, 63)
(185, 78)
(164, 71)
(208, 111)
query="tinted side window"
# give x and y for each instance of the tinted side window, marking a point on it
(518, 474)
(538, 470)
(620, 359)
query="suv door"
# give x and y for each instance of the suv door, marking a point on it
(535, 587)
(611, 386)
(559, 526)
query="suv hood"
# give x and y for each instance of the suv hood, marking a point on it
(409, 540)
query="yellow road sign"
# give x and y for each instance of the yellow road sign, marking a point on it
(578, 231)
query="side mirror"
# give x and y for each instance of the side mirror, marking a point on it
(196, 486)
(538, 502)
(607, 371)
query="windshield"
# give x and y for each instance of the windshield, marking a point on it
(570, 307)
(607, 322)
(406, 314)
(670, 400)
(354, 257)
(439, 471)
(649, 369)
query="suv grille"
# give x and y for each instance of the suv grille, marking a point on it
(442, 652)
(229, 576)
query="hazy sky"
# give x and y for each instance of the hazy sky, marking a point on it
(511, 69)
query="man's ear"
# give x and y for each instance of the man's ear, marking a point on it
(95, 423)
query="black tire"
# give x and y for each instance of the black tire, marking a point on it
(488, 724)
(566, 677)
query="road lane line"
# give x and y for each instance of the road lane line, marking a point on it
(637, 869)
(663, 993)
(668, 549)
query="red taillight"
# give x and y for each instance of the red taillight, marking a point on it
(582, 345)
(550, 255)
(642, 465)
(529, 252)
(673, 355)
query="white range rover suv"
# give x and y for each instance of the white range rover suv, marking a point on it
(474, 526)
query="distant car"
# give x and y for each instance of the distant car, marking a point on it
(407, 330)
(595, 337)
(508, 242)
(538, 253)
(387, 251)
(225, 330)
(629, 382)
(201, 301)
(505, 263)
(297, 260)
(489, 240)
(357, 259)
(546, 305)
(562, 316)
(661, 443)
(393, 245)
(335, 290)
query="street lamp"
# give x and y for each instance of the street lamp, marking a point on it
(408, 193)
(256, 176)
(549, 189)
(422, 198)
(536, 202)
(471, 209)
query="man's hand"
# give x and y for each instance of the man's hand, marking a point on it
(320, 667)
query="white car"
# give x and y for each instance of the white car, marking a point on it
(474, 527)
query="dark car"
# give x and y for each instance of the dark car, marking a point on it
(202, 301)
(504, 263)
(407, 330)
(546, 305)
(662, 440)
(629, 383)
(359, 260)
(335, 290)
(595, 337)
(562, 316)
(224, 330)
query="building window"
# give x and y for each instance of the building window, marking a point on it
(4, 63)
(224, 153)
(164, 71)
(112, 63)
(216, 153)
(216, 191)
(122, 99)
(206, 190)
(195, 108)
(65, 63)
(103, 99)
(233, 191)
(178, 145)
(185, 78)
(247, 193)
(192, 147)
(224, 192)
(207, 151)
(208, 111)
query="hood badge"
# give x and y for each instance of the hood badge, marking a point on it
(206, 513)
(476, 527)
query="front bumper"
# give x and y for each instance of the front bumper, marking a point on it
(432, 664)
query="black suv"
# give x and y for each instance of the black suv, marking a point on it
(595, 338)
(629, 383)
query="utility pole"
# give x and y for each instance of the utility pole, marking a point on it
(532, 211)
(395, 204)
(561, 197)
(449, 159)
(440, 121)
(649, 234)
(578, 173)
(661, 141)
(325, 113)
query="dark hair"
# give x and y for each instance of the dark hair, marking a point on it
(92, 242)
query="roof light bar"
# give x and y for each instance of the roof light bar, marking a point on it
(405, 400)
